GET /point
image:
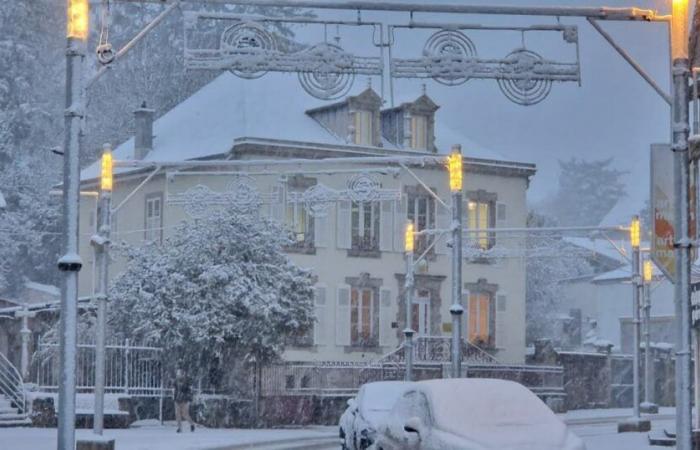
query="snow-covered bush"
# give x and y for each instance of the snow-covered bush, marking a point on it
(218, 289)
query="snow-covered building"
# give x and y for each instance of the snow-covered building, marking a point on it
(596, 309)
(355, 249)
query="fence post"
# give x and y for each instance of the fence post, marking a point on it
(126, 366)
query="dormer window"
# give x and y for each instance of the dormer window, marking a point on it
(419, 132)
(411, 125)
(364, 127)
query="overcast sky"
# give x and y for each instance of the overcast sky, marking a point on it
(613, 114)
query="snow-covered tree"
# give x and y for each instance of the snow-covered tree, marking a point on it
(30, 124)
(550, 261)
(219, 289)
(587, 191)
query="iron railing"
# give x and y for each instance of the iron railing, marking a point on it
(134, 370)
(438, 349)
(12, 385)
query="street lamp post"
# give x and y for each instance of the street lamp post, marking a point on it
(100, 243)
(456, 310)
(70, 263)
(409, 244)
(683, 241)
(648, 407)
(636, 423)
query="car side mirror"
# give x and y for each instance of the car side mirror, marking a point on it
(413, 425)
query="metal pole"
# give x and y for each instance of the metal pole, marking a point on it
(408, 331)
(648, 406)
(601, 13)
(680, 127)
(24, 335)
(636, 284)
(101, 246)
(697, 379)
(70, 263)
(457, 310)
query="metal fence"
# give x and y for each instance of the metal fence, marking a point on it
(131, 369)
(345, 378)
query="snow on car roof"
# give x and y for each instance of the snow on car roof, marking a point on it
(497, 413)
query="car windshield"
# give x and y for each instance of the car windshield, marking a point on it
(381, 396)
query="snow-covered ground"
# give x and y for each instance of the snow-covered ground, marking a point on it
(605, 436)
(598, 429)
(150, 435)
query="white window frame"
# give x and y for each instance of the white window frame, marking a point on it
(375, 223)
(358, 326)
(430, 216)
(423, 303)
(482, 240)
(153, 223)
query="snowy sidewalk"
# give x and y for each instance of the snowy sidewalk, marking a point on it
(150, 435)
(602, 416)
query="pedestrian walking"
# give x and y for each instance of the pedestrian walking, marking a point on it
(183, 397)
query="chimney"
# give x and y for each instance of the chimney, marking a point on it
(143, 139)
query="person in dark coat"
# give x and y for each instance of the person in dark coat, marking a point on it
(183, 397)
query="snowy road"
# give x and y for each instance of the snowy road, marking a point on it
(597, 437)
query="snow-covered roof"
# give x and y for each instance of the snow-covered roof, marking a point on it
(272, 107)
(600, 246)
(623, 274)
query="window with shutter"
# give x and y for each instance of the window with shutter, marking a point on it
(365, 226)
(364, 127)
(320, 331)
(342, 311)
(482, 215)
(297, 217)
(419, 132)
(154, 218)
(481, 302)
(422, 212)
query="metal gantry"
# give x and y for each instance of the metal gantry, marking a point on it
(527, 84)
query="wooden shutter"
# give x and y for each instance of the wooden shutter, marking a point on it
(465, 320)
(501, 330)
(386, 226)
(385, 330)
(278, 204)
(400, 220)
(443, 222)
(321, 231)
(501, 219)
(343, 226)
(320, 327)
(342, 316)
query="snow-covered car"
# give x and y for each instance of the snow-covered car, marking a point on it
(365, 413)
(473, 414)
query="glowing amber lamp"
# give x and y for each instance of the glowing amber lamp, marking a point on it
(635, 233)
(680, 29)
(648, 271)
(409, 238)
(107, 178)
(456, 174)
(78, 19)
